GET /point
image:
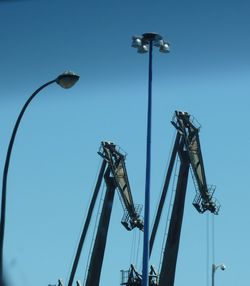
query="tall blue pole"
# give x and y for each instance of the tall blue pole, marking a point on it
(148, 172)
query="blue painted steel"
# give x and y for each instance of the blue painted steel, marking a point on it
(147, 180)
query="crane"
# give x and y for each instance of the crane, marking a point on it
(187, 147)
(113, 171)
(116, 160)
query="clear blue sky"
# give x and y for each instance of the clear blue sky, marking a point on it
(55, 162)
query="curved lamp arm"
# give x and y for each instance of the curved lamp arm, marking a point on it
(214, 268)
(65, 80)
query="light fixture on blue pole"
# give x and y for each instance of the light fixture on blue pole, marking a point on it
(145, 44)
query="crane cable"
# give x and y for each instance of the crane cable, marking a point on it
(84, 218)
(132, 249)
(138, 246)
(171, 203)
(135, 247)
(165, 171)
(213, 244)
(210, 246)
(207, 249)
(95, 229)
(171, 196)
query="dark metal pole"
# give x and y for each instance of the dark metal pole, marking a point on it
(148, 169)
(213, 272)
(5, 174)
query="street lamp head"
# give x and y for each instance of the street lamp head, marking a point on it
(164, 47)
(223, 267)
(67, 79)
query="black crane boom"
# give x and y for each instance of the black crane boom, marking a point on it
(116, 160)
(204, 198)
(113, 171)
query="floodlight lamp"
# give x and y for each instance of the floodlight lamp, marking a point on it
(143, 49)
(164, 48)
(67, 79)
(158, 43)
(136, 42)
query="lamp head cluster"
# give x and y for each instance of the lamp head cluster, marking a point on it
(141, 43)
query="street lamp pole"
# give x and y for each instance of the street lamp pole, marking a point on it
(214, 268)
(148, 174)
(65, 80)
(144, 44)
(213, 273)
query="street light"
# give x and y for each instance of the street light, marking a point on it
(143, 44)
(65, 80)
(214, 268)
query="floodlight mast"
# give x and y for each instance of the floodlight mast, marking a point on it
(145, 44)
